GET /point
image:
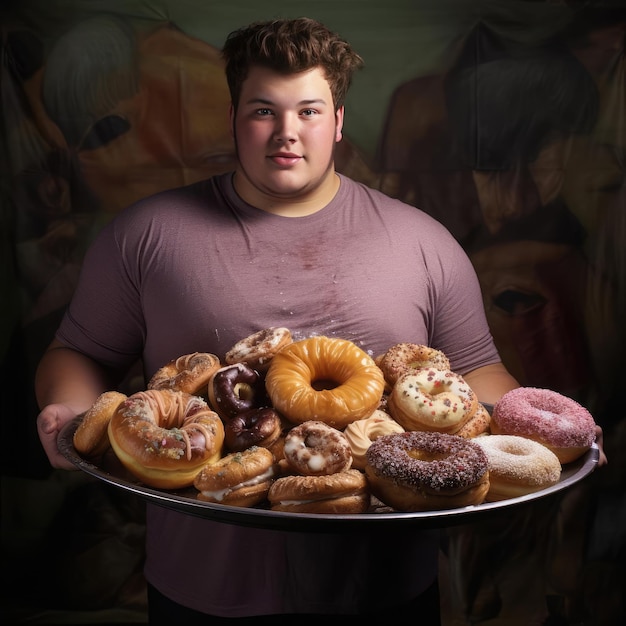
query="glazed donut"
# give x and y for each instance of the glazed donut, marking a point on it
(165, 437)
(433, 400)
(256, 427)
(91, 437)
(258, 349)
(236, 388)
(404, 357)
(478, 424)
(518, 466)
(554, 420)
(324, 379)
(341, 493)
(425, 471)
(361, 433)
(315, 448)
(189, 373)
(238, 479)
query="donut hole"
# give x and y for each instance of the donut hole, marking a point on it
(427, 456)
(324, 384)
(514, 450)
(244, 392)
(415, 365)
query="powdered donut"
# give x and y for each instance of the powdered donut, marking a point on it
(404, 357)
(258, 349)
(361, 433)
(552, 419)
(433, 400)
(518, 466)
(423, 471)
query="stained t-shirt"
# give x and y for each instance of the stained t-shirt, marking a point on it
(197, 269)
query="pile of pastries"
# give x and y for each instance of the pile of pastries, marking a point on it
(319, 426)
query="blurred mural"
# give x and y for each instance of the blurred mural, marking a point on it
(506, 121)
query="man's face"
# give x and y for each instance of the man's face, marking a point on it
(285, 129)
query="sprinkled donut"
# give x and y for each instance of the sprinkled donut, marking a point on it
(258, 349)
(433, 400)
(165, 437)
(361, 433)
(236, 388)
(324, 379)
(518, 466)
(315, 449)
(425, 471)
(404, 357)
(189, 373)
(552, 419)
(477, 425)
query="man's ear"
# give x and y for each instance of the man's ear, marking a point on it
(339, 124)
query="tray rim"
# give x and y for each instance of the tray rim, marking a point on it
(265, 518)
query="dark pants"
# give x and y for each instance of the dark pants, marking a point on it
(423, 611)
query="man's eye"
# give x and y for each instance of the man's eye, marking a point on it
(308, 112)
(263, 112)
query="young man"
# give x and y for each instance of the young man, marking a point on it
(283, 241)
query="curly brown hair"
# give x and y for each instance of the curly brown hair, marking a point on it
(290, 46)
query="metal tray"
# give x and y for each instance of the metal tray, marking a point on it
(111, 471)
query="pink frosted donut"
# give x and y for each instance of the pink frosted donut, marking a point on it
(554, 420)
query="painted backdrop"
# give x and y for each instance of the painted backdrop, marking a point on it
(505, 121)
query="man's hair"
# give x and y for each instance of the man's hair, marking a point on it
(290, 46)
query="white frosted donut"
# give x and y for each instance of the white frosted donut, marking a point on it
(257, 350)
(432, 400)
(518, 466)
(552, 419)
(363, 432)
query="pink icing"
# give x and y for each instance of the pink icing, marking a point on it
(544, 414)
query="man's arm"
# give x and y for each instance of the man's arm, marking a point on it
(67, 383)
(490, 382)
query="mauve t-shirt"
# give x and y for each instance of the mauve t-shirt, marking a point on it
(197, 269)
